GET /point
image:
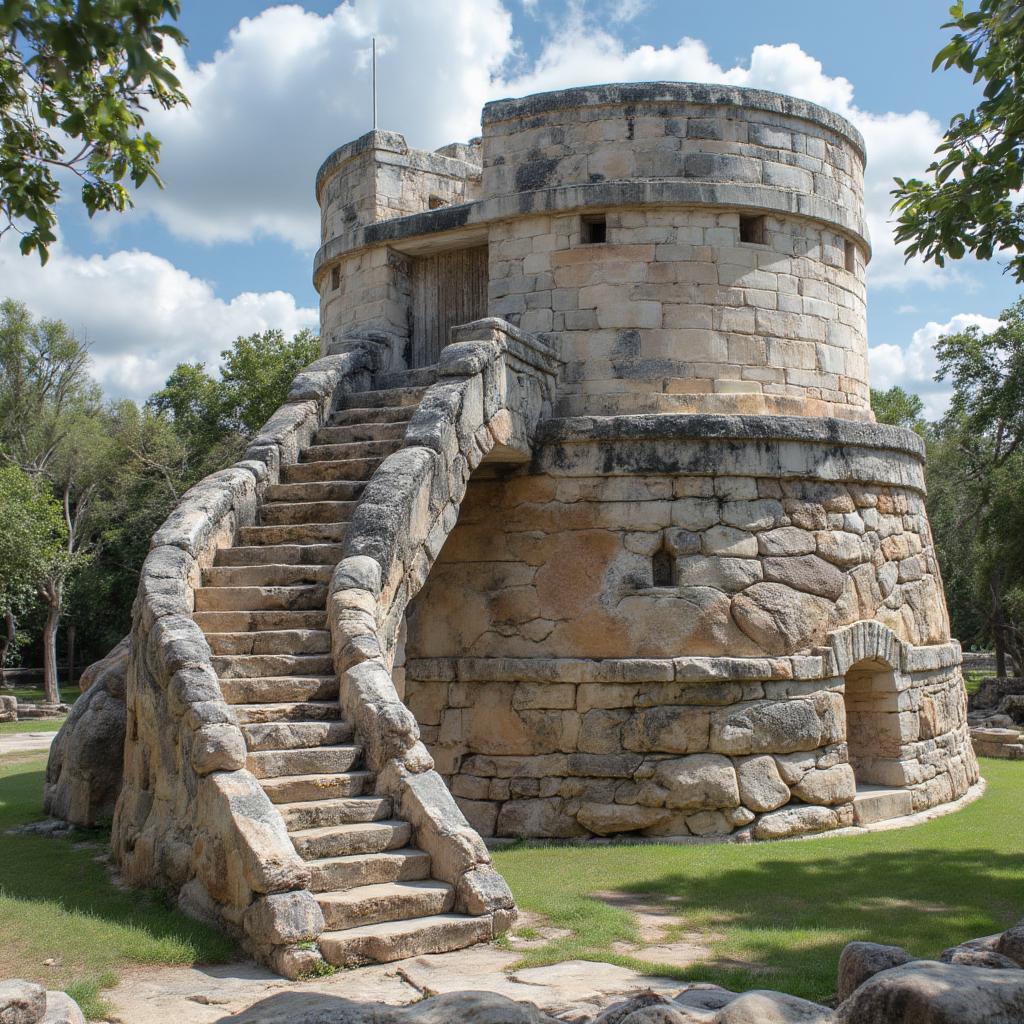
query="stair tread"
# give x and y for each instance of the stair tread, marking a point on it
(327, 708)
(406, 927)
(383, 890)
(387, 824)
(406, 852)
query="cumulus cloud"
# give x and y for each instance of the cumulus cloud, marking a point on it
(912, 366)
(140, 314)
(290, 85)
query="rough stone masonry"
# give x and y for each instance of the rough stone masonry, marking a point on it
(581, 526)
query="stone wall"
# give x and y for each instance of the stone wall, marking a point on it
(562, 692)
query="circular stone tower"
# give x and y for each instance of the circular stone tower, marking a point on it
(710, 604)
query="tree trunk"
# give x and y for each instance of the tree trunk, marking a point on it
(70, 641)
(51, 684)
(1000, 654)
(6, 642)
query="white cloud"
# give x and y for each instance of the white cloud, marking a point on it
(140, 314)
(912, 366)
(908, 309)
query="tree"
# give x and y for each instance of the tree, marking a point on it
(972, 204)
(977, 474)
(32, 549)
(898, 408)
(75, 80)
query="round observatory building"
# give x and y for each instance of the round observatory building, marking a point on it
(703, 600)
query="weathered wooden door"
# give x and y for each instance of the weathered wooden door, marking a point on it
(448, 288)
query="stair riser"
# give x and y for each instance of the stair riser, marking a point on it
(243, 621)
(281, 554)
(348, 950)
(337, 456)
(267, 764)
(280, 690)
(304, 533)
(372, 839)
(356, 449)
(319, 787)
(336, 812)
(411, 904)
(380, 414)
(361, 432)
(390, 398)
(305, 512)
(351, 872)
(320, 472)
(279, 641)
(294, 735)
(226, 599)
(420, 377)
(266, 575)
(304, 712)
(316, 490)
(263, 666)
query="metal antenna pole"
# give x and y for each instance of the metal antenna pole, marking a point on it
(374, 79)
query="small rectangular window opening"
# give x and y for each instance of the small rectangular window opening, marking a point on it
(663, 569)
(335, 278)
(435, 202)
(594, 230)
(850, 256)
(754, 229)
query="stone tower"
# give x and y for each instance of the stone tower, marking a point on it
(710, 601)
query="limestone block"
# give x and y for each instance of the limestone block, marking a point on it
(835, 785)
(610, 819)
(62, 1009)
(765, 1007)
(21, 1002)
(767, 727)
(807, 573)
(670, 730)
(785, 540)
(760, 785)
(218, 747)
(283, 918)
(482, 891)
(727, 540)
(779, 619)
(862, 960)
(795, 821)
(728, 574)
(699, 782)
(540, 817)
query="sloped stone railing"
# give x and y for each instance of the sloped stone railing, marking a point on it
(191, 819)
(494, 385)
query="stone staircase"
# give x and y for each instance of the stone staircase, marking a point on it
(262, 608)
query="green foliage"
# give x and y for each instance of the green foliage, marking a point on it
(76, 77)
(970, 203)
(898, 408)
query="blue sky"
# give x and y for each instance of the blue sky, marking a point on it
(227, 247)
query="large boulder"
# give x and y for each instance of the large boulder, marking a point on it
(862, 960)
(929, 992)
(83, 774)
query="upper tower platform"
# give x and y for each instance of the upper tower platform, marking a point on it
(687, 248)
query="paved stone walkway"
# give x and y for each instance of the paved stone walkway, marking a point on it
(243, 993)
(25, 742)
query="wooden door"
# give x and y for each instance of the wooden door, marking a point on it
(448, 288)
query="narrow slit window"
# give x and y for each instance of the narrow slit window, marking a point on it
(663, 569)
(754, 230)
(850, 256)
(593, 230)
(335, 278)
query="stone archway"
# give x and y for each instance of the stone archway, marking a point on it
(871, 698)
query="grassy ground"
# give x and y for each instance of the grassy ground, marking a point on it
(57, 903)
(972, 679)
(31, 725)
(780, 913)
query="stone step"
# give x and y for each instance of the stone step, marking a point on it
(321, 472)
(264, 666)
(248, 621)
(397, 940)
(316, 490)
(379, 414)
(279, 689)
(271, 641)
(267, 764)
(387, 398)
(357, 449)
(289, 789)
(299, 711)
(281, 554)
(388, 901)
(251, 599)
(346, 840)
(879, 803)
(293, 533)
(346, 469)
(291, 734)
(421, 377)
(362, 432)
(265, 575)
(335, 873)
(285, 513)
(351, 810)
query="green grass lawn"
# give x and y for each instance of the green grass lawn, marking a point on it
(780, 913)
(57, 903)
(32, 725)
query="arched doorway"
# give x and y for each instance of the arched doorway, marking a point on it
(874, 738)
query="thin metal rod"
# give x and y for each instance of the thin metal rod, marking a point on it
(374, 74)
